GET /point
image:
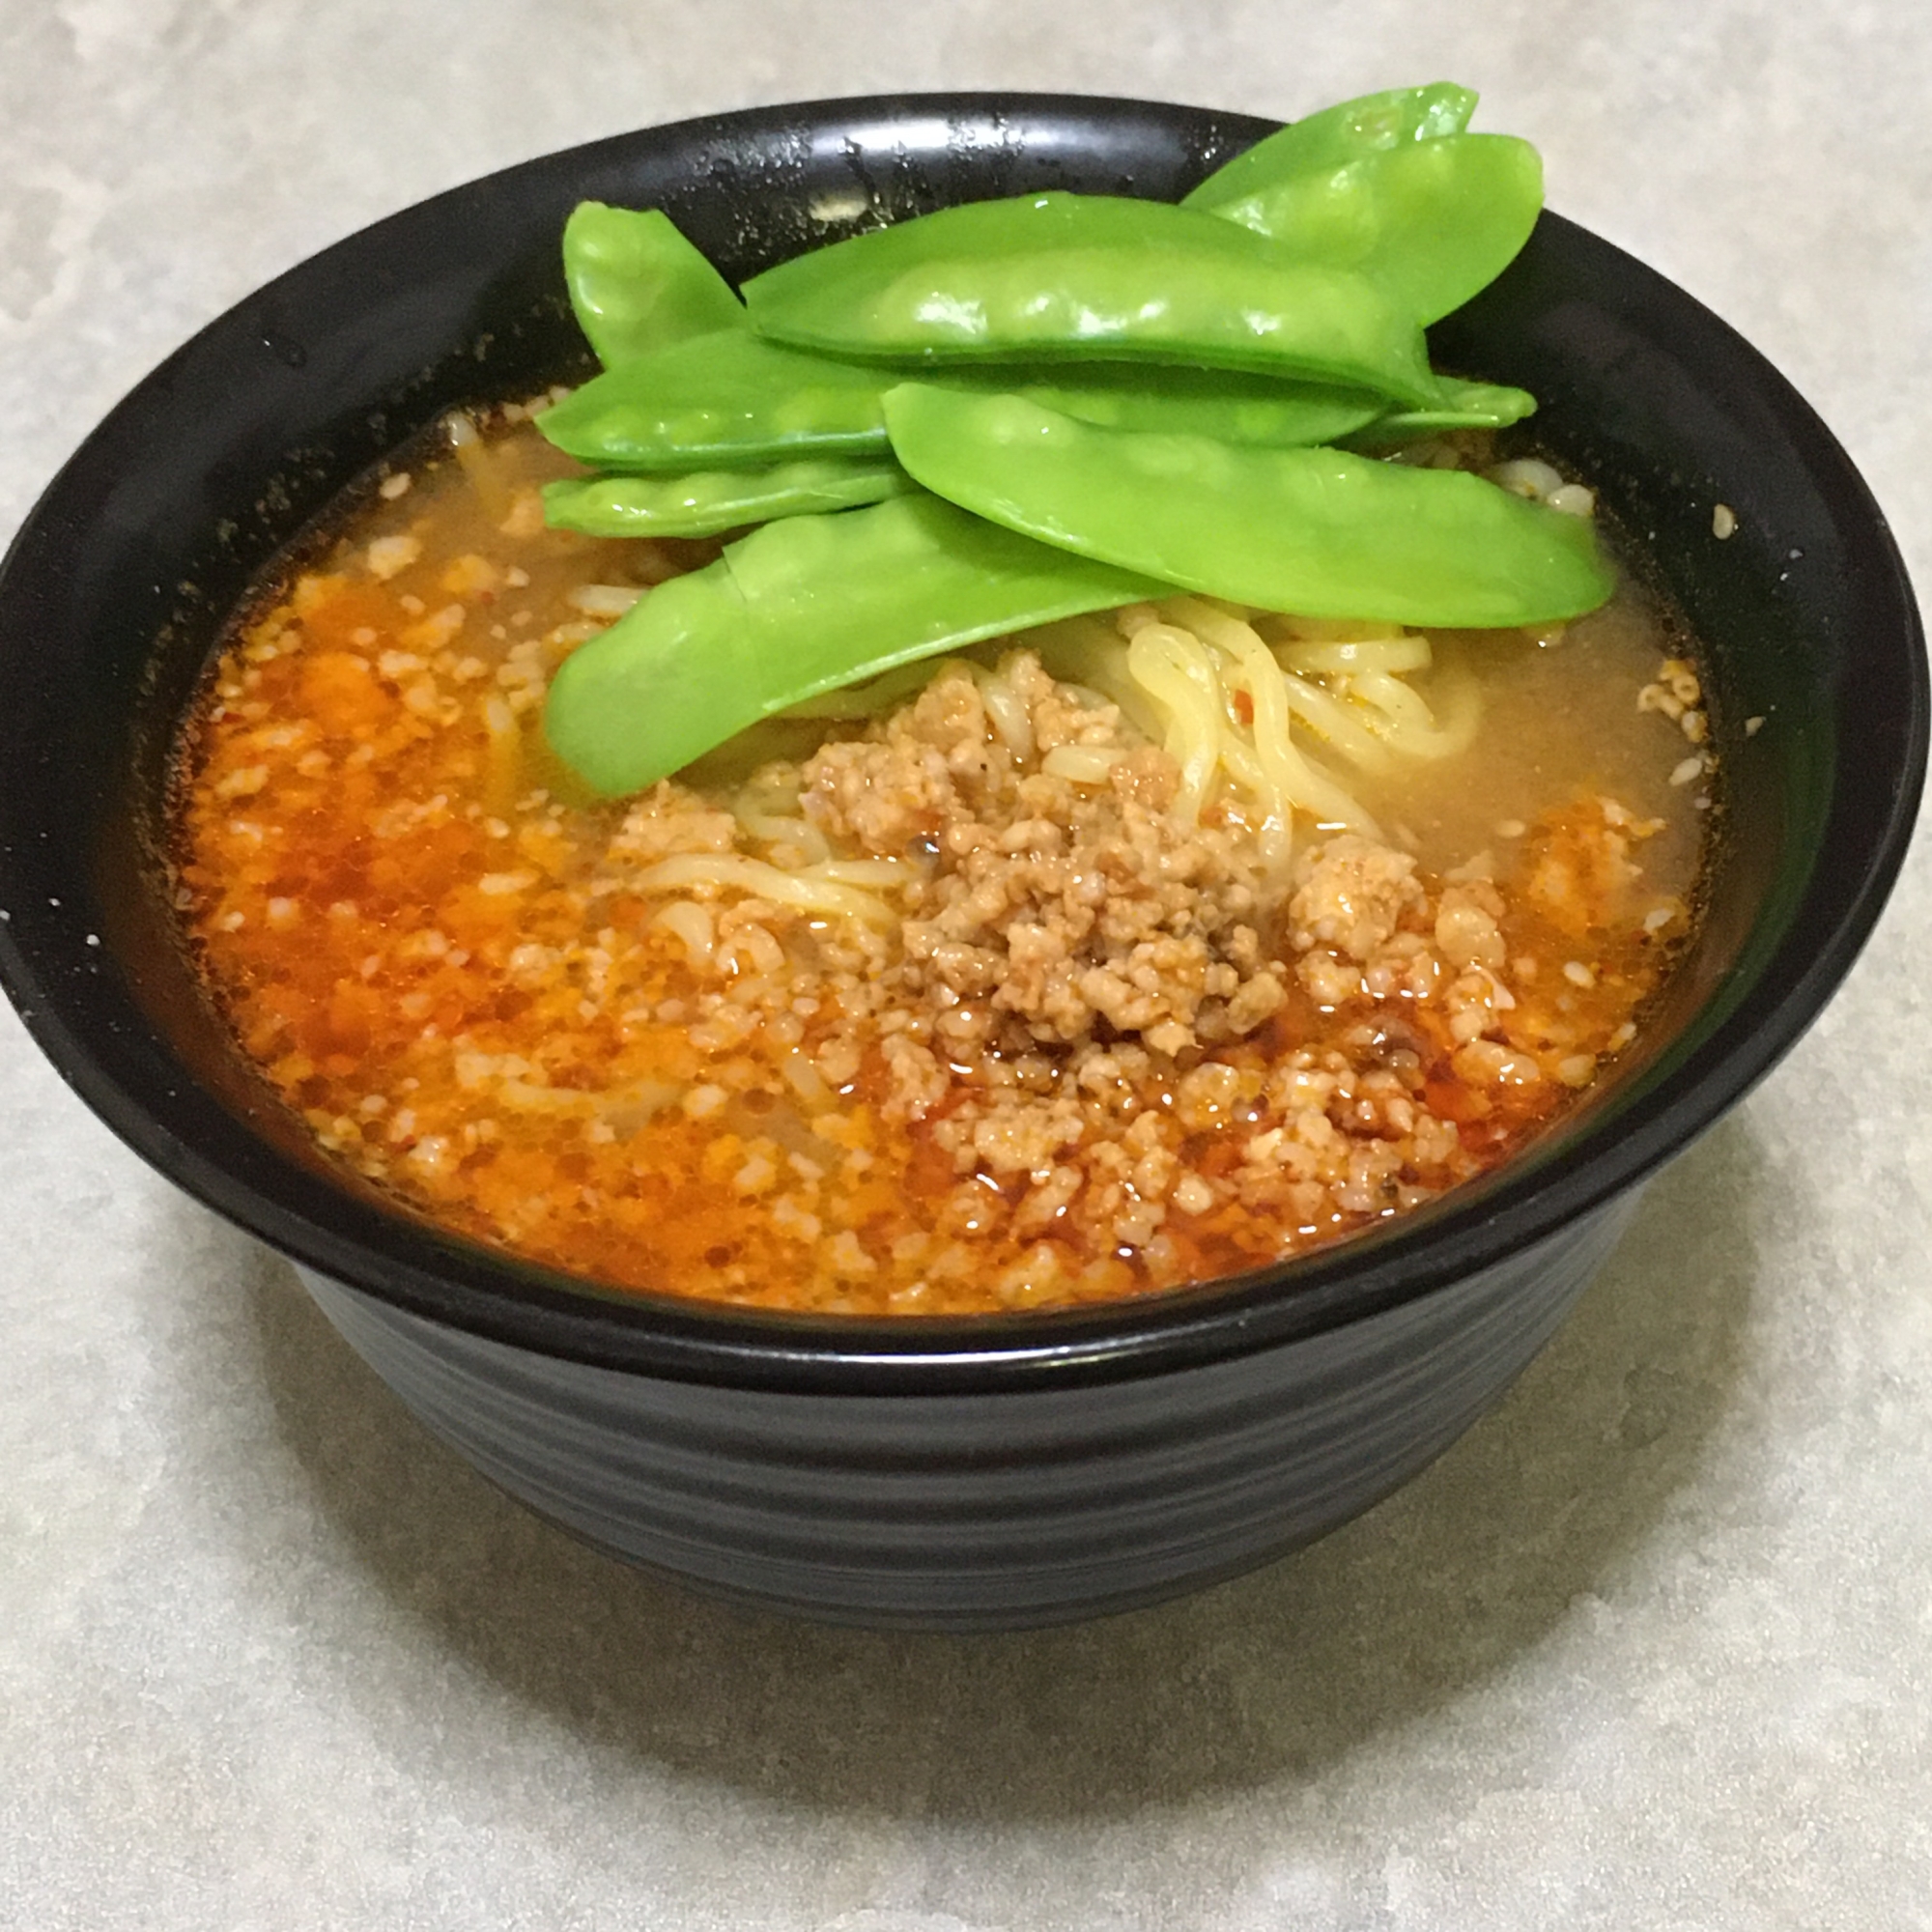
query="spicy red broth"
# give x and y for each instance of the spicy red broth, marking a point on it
(974, 997)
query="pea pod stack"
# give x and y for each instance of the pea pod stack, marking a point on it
(1014, 411)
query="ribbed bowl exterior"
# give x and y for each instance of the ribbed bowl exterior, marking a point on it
(975, 1511)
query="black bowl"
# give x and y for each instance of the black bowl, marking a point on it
(956, 1474)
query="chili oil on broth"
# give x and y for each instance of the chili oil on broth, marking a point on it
(960, 1033)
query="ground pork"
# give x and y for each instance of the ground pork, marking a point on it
(1054, 912)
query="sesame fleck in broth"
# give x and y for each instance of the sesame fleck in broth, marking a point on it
(976, 994)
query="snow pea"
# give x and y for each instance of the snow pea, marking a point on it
(1062, 277)
(1463, 405)
(1427, 222)
(725, 402)
(704, 502)
(719, 400)
(637, 284)
(1322, 533)
(1230, 404)
(796, 608)
(1336, 136)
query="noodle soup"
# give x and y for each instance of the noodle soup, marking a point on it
(1134, 951)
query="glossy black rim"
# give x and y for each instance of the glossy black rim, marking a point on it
(77, 950)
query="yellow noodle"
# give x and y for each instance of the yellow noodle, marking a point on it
(505, 739)
(1082, 764)
(1332, 820)
(1412, 727)
(1007, 710)
(1346, 658)
(806, 1082)
(1242, 642)
(688, 923)
(1179, 676)
(626, 1109)
(1287, 780)
(807, 890)
(888, 874)
(780, 829)
(1334, 721)
(477, 461)
(1282, 778)
(1086, 651)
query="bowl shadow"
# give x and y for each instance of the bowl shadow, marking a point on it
(1280, 1674)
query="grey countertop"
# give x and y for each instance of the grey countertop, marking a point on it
(1652, 1648)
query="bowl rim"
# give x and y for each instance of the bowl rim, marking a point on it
(450, 1280)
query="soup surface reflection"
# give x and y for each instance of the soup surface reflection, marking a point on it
(966, 994)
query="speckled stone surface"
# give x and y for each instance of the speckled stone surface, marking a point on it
(1652, 1648)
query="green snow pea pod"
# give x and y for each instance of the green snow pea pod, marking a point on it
(704, 502)
(1337, 135)
(719, 400)
(1463, 405)
(1318, 531)
(637, 284)
(1429, 222)
(1093, 278)
(799, 608)
(730, 401)
(1230, 404)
